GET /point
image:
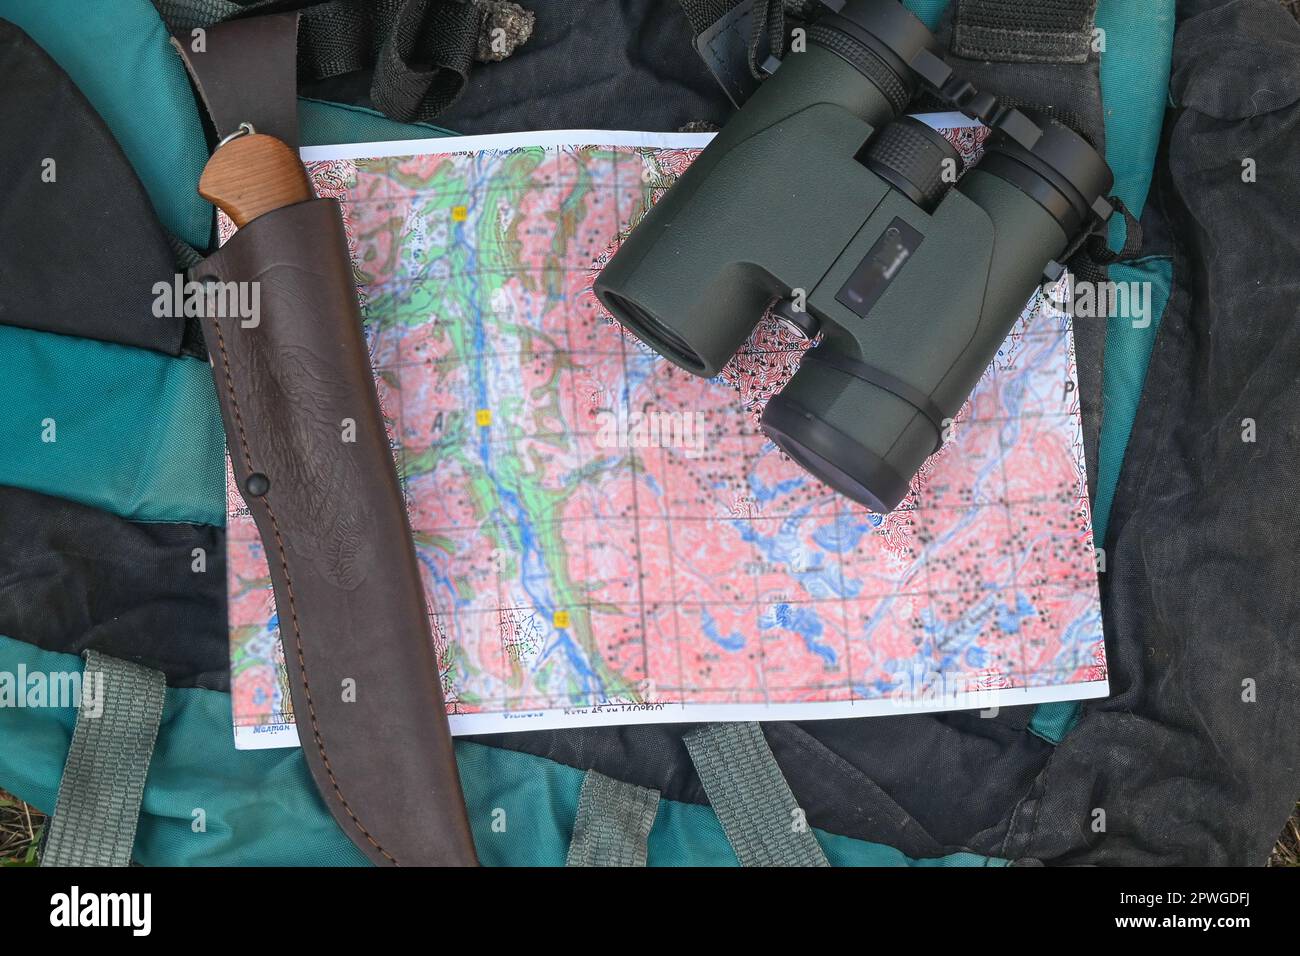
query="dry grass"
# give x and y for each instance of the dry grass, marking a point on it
(20, 832)
(1287, 850)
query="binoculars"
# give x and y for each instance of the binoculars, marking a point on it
(818, 197)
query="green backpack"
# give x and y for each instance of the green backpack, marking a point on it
(144, 442)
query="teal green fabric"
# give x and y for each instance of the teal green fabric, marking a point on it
(537, 801)
(110, 50)
(135, 432)
(1128, 353)
(255, 807)
(1053, 721)
(209, 804)
(156, 122)
(1134, 91)
(138, 434)
(929, 12)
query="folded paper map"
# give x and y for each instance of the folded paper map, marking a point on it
(607, 539)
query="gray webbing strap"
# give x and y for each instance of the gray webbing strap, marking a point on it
(613, 825)
(759, 814)
(103, 780)
(1024, 31)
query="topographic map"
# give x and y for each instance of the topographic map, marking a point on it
(607, 539)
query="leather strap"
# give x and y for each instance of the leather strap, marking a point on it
(245, 72)
(310, 452)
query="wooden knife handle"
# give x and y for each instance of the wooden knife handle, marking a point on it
(252, 175)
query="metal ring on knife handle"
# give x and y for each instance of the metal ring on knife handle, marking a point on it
(244, 129)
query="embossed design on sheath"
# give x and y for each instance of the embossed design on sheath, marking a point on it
(327, 513)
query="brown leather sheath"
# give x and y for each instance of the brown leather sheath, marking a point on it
(311, 456)
(353, 618)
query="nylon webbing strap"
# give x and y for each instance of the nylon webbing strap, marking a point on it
(702, 14)
(103, 779)
(1024, 31)
(613, 824)
(759, 814)
(421, 50)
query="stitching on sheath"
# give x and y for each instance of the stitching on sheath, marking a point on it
(293, 608)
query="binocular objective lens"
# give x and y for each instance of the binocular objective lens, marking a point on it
(658, 334)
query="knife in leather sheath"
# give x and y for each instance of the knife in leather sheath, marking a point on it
(311, 456)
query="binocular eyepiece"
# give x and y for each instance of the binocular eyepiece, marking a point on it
(819, 197)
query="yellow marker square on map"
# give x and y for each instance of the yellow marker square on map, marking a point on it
(483, 417)
(459, 213)
(561, 618)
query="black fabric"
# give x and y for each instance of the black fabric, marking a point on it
(192, 343)
(630, 67)
(890, 780)
(423, 63)
(74, 578)
(1091, 257)
(82, 252)
(1203, 566)
(415, 54)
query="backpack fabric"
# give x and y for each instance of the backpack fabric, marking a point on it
(945, 790)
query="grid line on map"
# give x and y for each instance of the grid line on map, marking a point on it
(840, 514)
(675, 605)
(626, 399)
(782, 516)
